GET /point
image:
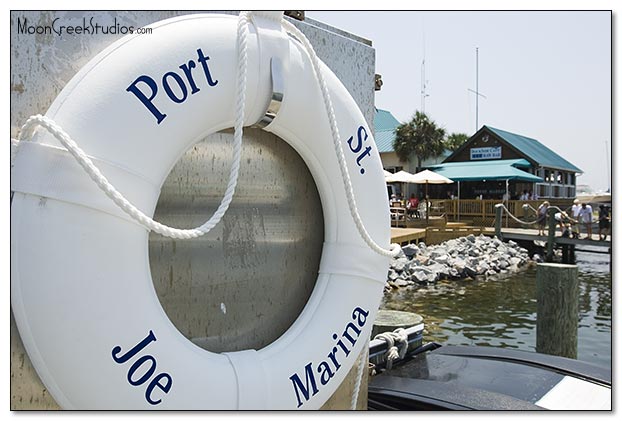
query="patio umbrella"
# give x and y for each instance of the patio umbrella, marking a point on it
(399, 177)
(428, 177)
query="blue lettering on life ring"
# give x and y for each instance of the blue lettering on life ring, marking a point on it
(356, 148)
(327, 368)
(162, 381)
(145, 88)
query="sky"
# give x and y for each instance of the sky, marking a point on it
(542, 74)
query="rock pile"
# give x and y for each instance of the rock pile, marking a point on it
(466, 257)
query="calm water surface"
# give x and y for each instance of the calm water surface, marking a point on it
(502, 312)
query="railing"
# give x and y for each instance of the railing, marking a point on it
(554, 190)
(482, 212)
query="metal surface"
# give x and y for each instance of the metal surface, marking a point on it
(244, 283)
(278, 88)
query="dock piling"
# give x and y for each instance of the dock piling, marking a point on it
(557, 324)
(498, 217)
(550, 242)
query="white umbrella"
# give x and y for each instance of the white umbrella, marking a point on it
(429, 177)
(400, 177)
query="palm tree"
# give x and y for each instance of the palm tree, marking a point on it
(420, 136)
(455, 140)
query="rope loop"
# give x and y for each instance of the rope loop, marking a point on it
(396, 339)
(520, 221)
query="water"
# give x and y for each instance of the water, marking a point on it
(502, 312)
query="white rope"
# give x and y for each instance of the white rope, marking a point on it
(516, 219)
(394, 340)
(574, 221)
(85, 162)
(359, 380)
(394, 248)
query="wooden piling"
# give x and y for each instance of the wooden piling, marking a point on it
(498, 217)
(389, 320)
(550, 243)
(557, 323)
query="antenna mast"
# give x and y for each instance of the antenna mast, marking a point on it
(423, 81)
(423, 86)
(476, 91)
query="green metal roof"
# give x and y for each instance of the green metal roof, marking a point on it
(535, 150)
(384, 126)
(384, 120)
(384, 140)
(505, 169)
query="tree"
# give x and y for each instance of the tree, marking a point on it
(420, 136)
(455, 140)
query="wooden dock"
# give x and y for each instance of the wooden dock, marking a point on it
(529, 237)
(531, 234)
(552, 238)
(405, 236)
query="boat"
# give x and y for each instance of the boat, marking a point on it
(595, 198)
(447, 377)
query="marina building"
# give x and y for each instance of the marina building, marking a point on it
(494, 161)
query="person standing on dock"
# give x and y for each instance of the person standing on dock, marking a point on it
(542, 209)
(603, 222)
(576, 207)
(585, 217)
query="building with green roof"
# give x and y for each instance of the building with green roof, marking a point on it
(493, 157)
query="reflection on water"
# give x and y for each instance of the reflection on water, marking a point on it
(502, 312)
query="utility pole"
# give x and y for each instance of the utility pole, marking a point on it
(608, 166)
(476, 91)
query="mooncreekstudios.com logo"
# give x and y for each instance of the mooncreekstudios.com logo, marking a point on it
(88, 27)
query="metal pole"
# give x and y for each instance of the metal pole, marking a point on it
(608, 169)
(427, 205)
(476, 91)
(476, 88)
(423, 86)
(507, 203)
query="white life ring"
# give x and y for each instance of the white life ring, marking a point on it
(81, 288)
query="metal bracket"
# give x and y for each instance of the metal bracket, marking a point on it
(276, 77)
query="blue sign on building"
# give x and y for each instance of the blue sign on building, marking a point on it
(489, 152)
